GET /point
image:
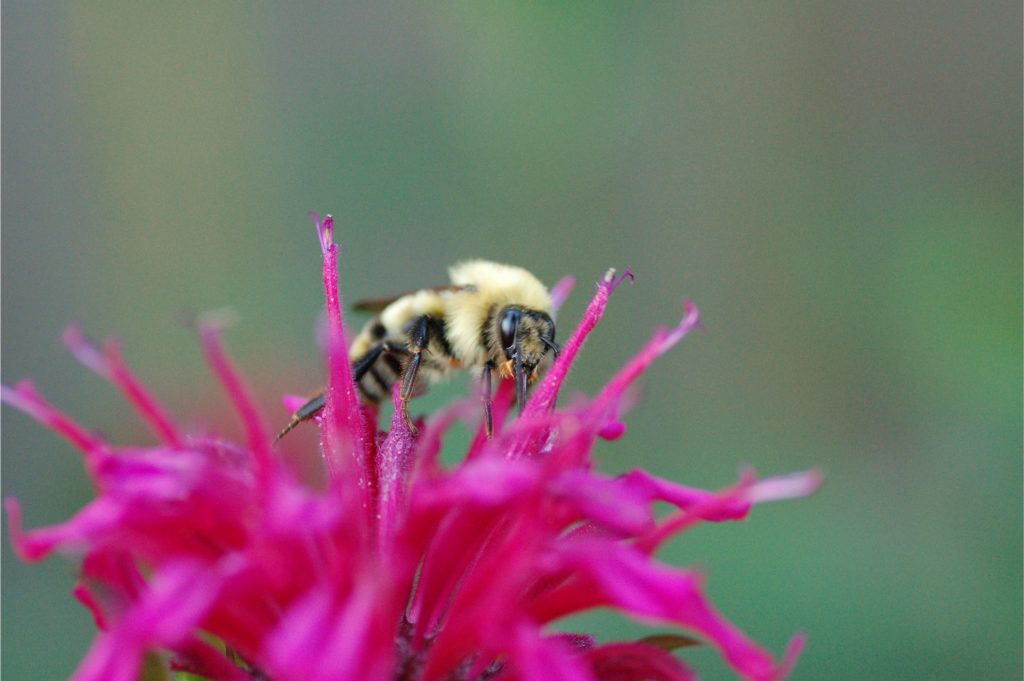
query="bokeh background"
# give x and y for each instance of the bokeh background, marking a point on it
(837, 184)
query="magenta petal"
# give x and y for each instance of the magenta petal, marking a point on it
(394, 468)
(318, 641)
(561, 290)
(602, 413)
(300, 634)
(494, 482)
(25, 398)
(431, 440)
(785, 487)
(344, 440)
(111, 366)
(99, 519)
(605, 404)
(627, 579)
(92, 603)
(536, 658)
(256, 431)
(292, 403)
(544, 397)
(793, 651)
(361, 642)
(110, 582)
(612, 430)
(604, 501)
(685, 498)
(485, 482)
(139, 396)
(579, 643)
(324, 230)
(85, 351)
(173, 605)
(727, 505)
(631, 661)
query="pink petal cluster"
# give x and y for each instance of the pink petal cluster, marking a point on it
(213, 555)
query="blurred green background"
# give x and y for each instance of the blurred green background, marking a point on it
(838, 185)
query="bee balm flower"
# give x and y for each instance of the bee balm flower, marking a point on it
(211, 555)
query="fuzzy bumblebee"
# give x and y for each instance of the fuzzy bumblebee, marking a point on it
(491, 317)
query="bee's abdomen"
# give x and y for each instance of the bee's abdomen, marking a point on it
(379, 369)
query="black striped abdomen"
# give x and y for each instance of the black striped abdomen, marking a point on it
(378, 370)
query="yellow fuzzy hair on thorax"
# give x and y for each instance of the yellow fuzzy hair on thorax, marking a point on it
(494, 286)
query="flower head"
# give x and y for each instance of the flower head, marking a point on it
(214, 554)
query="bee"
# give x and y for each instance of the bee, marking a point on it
(492, 317)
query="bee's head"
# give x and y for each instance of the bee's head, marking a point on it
(528, 343)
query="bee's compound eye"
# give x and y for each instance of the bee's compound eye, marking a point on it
(509, 324)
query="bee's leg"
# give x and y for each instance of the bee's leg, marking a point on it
(419, 337)
(304, 413)
(485, 379)
(366, 362)
(359, 369)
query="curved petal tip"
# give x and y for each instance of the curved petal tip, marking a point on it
(324, 229)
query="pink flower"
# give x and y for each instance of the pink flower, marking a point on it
(402, 569)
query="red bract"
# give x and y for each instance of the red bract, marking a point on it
(402, 569)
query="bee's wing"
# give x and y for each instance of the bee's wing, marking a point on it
(378, 304)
